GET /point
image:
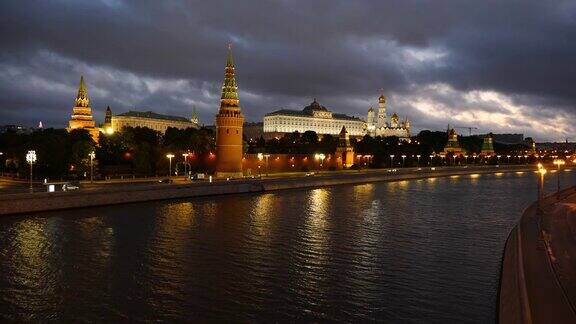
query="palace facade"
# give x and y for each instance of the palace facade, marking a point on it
(152, 120)
(313, 117)
(319, 119)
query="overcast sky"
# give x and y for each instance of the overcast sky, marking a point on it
(501, 66)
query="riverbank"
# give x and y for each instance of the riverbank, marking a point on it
(538, 279)
(119, 194)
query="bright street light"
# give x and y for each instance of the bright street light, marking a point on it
(185, 155)
(169, 156)
(31, 159)
(320, 157)
(559, 162)
(92, 155)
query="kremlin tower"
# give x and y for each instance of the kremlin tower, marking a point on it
(487, 145)
(229, 122)
(344, 150)
(82, 113)
(453, 146)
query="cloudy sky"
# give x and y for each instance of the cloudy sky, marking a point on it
(501, 66)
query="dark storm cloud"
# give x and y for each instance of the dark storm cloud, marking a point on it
(168, 56)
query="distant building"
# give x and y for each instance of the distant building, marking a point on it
(253, 131)
(508, 138)
(82, 113)
(157, 122)
(16, 128)
(379, 125)
(313, 117)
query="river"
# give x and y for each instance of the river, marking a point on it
(410, 251)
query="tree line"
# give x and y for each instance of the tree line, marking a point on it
(132, 151)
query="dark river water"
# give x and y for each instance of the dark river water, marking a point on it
(411, 251)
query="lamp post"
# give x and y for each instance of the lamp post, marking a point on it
(92, 156)
(418, 163)
(185, 155)
(169, 156)
(431, 157)
(391, 160)
(266, 156)
(508, 156)
(403, 159)
(541, 173)
(320, 157)
(498, 158)
(260, 158)
(558, 163)
(31, 159)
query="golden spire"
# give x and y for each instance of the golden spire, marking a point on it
(82, 99)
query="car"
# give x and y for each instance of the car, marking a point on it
(69, 186)
(198, 176)
(166, 180)
(309, 174)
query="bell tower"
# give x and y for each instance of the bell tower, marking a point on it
(229, 123)
(381, 111)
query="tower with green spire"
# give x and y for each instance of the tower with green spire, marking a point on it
(82, 113)
(487, 145)
(195, 118)
(229, 123)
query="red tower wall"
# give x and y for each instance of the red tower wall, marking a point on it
(229, 144)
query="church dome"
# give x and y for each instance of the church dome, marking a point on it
(382, 99)
(315, 106)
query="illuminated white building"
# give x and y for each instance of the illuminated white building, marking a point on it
(379, 125)
(313, 117)
(157, 122)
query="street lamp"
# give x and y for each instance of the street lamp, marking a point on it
(92, 156)
(391, 160)
(185, 155)
(508, 156)
(403, 159)
(431, 157)
(498, 158)
(266, 156)
(31, 159)
(169, 156)
(541, 172)
(418, 163)
(320, 157)
(559, 163)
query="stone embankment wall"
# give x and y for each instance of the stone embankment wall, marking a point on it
(118, 194)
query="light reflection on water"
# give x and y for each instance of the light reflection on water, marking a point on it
(410, 251)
